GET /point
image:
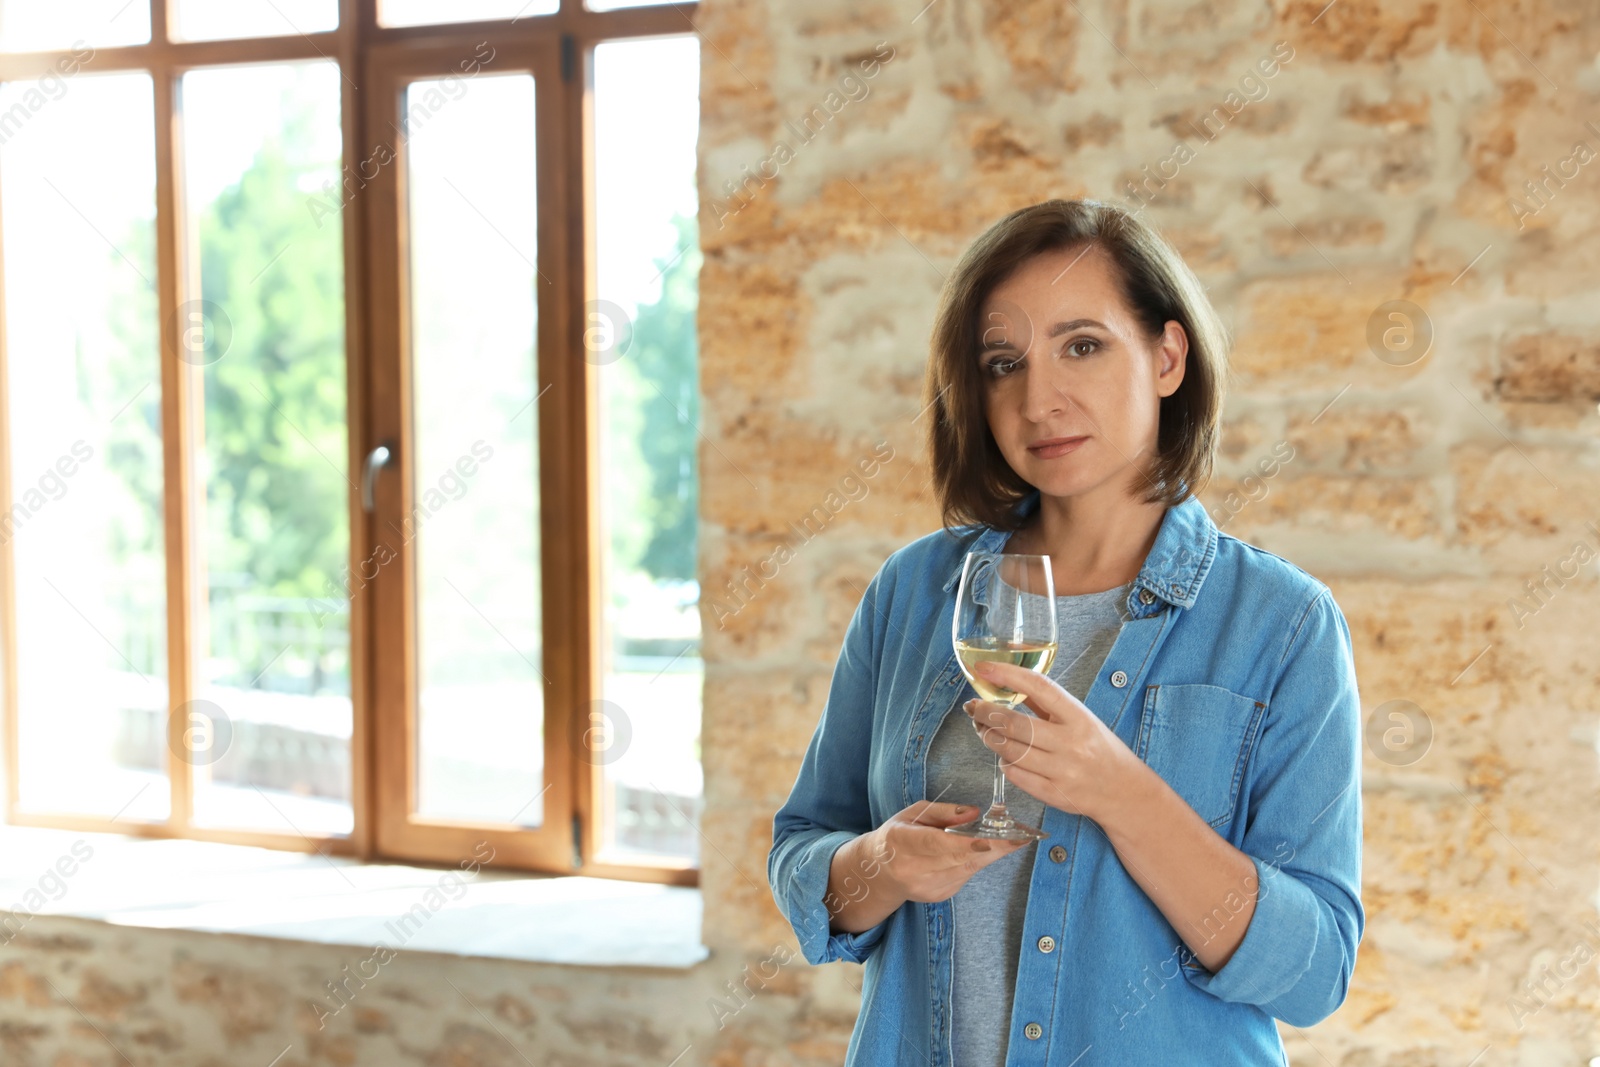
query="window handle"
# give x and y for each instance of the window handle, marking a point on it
(377, 459)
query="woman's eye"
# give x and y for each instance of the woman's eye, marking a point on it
(999, 368)
(1073, 347)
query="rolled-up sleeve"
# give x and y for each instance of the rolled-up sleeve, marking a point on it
(828, 804)
(1303, 834)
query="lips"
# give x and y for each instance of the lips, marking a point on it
(1056, 446)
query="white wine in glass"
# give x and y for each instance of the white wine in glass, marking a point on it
(1006, 613)
(1034, 655)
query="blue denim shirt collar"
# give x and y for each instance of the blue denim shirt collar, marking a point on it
(1174, 570)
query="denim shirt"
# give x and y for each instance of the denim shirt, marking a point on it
(1234, 680)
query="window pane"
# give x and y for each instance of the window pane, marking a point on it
(84, 427)
(426, 12)
(475, 423)
(647, 107)
(210, 20)
(51, 25)
(270, 732)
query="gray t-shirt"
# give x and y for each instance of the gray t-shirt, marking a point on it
(986, 938)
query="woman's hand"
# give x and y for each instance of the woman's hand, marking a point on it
(909, 857)
(925, 864)
(1068, 758)
(1065, 756)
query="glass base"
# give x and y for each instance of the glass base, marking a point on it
(1004, 828)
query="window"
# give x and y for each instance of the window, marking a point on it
(348, 426)
(640, 338)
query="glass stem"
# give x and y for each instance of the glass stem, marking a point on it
(997, 807)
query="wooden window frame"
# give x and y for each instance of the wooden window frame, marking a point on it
(382, 752)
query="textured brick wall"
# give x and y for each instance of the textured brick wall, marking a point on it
(76, 993)
(1384, 159)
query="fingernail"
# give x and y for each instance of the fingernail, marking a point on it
(979, 846)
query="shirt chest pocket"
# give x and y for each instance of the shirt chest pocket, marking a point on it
(1198, 738)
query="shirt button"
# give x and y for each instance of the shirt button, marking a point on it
(1047, 943)
(1177, 591)
(1034, 1031)
(1058, 854)
(1146, 597)
(1119, 679)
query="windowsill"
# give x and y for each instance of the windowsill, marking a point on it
(236, 889)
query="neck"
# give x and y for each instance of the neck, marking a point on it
(1096, 540)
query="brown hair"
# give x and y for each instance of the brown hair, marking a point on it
(971, 476)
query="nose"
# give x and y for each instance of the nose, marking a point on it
(1042, 398)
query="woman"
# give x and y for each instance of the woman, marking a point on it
(1194, 758)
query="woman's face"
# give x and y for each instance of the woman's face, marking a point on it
(1061, 356)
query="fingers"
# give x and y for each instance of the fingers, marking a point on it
(943, 876)
(984, 853)
(1038, 689)
(922, 833)
(963, 852)
(937, 857)
(1050, 791)
(1011, 676)
(938, 815)
(1010, 733)
(933, 864)
(919, 829)
(998, 846)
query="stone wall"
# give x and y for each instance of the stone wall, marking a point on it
(1384, 159)
(80, 993)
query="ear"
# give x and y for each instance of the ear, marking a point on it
(1172, 357)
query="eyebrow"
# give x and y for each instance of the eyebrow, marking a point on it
(1055, 331)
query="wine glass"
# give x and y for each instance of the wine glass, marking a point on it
(1005, 612)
